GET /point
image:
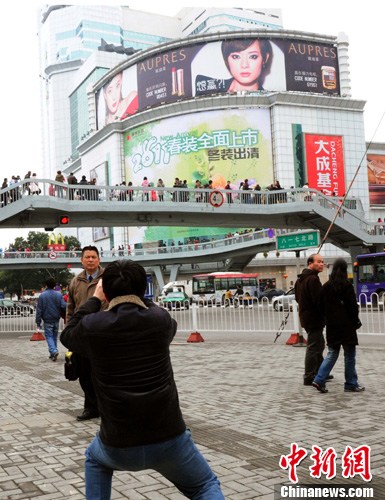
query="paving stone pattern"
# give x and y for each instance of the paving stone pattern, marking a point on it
(242, 397)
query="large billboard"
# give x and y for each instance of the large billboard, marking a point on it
(118, 98)
(226, 145)
(325, 163)
(228, 66)
(376, 179)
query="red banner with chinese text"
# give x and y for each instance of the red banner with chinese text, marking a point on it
(325, 163)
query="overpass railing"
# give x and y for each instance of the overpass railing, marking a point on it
(86, 193)
(238, 240)
(351, 210)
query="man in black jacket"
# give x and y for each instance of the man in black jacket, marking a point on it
(142, 426)
(308, 295)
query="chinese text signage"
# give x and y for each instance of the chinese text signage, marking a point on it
(298, 241)
(325, 163)
(227, 145)
(354, 462)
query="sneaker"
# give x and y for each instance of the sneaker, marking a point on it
(307, 381)
(54, 356)
(357, 388)
(319, 387)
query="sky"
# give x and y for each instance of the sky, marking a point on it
(21, 138)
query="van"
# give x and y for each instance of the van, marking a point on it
(175, 286)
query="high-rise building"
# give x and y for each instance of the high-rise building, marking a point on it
(79, 44)
(187, 111)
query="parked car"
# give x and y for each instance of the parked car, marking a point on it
(175, 300)
(284, 302)
(270, 293)
(12, 308)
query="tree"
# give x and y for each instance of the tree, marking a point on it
(37, 241)
(16, 281)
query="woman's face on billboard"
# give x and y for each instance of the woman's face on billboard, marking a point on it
(113, 94)
(246, 66)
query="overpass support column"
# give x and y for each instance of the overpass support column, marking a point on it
(159, 276)
(174, 272)
(354, 251)
(380, 247)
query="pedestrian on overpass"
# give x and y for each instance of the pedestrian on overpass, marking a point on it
(142, 426)
(71, 180)
(59, 178)
(229, 195)
(308, 295)
(50, 308)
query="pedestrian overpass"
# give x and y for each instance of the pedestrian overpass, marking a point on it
(228, 254)
(101, 206)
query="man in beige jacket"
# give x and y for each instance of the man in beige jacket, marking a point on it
(80, 289)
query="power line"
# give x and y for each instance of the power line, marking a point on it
(350, 185)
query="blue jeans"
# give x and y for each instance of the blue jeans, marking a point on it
(178, 460)
(351, 379)
(51, 329)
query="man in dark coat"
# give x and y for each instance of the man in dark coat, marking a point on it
(308, 295)
(142, 426)
(339, 304)
(71, 179)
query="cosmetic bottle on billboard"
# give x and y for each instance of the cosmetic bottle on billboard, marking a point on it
(329, 80)
(180, 81)
(174, 82)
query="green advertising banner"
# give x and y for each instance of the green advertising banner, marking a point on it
(226, 145)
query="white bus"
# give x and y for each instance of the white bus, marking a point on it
(211, 288)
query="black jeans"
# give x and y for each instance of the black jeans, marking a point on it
(85, 380)
(314, 352)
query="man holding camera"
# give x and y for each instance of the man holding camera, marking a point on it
(142, 426)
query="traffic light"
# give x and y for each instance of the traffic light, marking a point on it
(64, 220)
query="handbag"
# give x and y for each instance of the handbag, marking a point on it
(71, 366)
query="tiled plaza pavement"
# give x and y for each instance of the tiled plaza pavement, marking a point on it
(241, 396)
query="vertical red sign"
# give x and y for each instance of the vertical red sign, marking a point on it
(325, 163)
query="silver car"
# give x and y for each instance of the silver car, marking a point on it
(284, 302)
(10, 308)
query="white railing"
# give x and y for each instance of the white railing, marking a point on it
(87, 193)
(16, 323)
(259, 316)
(254, 316)
(17, 317)
(350, 209)
(245, 237)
